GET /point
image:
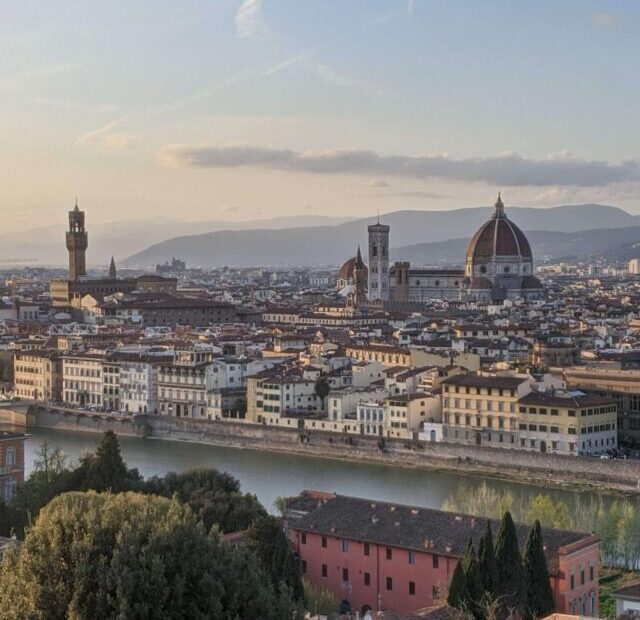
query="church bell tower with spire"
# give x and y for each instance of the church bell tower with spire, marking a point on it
(77, 242)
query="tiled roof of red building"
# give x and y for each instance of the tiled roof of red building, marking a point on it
(410, 527)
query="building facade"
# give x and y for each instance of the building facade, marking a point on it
(623, 386)
(399, 558)
(567, 422)
(38, 375)
(482, 410)
(82, 379)
(11, 464)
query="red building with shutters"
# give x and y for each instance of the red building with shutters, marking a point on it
(11, 463)
(401, 558)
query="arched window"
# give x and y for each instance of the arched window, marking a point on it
(374, 250)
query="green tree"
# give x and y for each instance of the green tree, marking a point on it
(49, 460)
(473, 579)
(512, 584)
(280, 505)
(458, 592)
(322, 389)
(539, 594)
(239, 409)
(104, 556)
(321, 600)
(268, 542)
(214, 497)
(471, 572)
(105, 470)
(487, 563)
(551, 514)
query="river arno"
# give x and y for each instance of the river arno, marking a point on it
(270, 475)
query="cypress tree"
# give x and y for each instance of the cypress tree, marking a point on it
(539, 594)
(458, 593)
(472, 574)
(512, 583)
(487, 563)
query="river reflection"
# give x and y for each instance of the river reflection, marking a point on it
(270, 475)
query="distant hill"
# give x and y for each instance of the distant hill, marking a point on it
(615, 243)
(313, 245)
(46, 244)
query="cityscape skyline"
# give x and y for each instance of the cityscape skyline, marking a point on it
(244, 110)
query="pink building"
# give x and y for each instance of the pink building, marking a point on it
(401, 558)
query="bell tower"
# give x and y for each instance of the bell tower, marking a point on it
(77, 242)
(378, 261)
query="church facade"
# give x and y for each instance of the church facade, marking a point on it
(498, 265)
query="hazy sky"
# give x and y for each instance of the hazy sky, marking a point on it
(224, 109)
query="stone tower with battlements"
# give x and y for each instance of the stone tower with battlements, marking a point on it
(77, 242)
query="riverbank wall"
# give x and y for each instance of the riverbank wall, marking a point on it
(528, 467)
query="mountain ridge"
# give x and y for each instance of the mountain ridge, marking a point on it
(333, 244)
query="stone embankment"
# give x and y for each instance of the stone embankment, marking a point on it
(528, 467)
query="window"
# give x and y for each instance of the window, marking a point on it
(435, 561)
(572, 582)
(412, 588)
(389, 583)
(367, 579)
(324, 542)
(412, 557)
(581, 576)
(591, 573)
(435, 593)
(389, 553)
(303, 538)
(345, 574)
(345, 547)
(303, 566)
(324, 570)
(11, 457)
(366, 548)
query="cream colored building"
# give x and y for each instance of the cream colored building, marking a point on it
(274, 393)
(38, 375)
(82, 379)
(406, 413)
(483, 410)
(567, 422)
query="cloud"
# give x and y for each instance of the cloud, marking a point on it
(604, 20)
(315, 67)
(378, 183)
(249, 20)
(104, 136)
(502, 171)
(419, 194)
(290, 62)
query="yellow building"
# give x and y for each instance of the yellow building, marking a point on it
(567, 422)
(38, 375)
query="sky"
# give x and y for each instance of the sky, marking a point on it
(243, 109)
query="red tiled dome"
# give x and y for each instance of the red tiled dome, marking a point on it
(498, 237)
(480, 283)
(346, 271)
